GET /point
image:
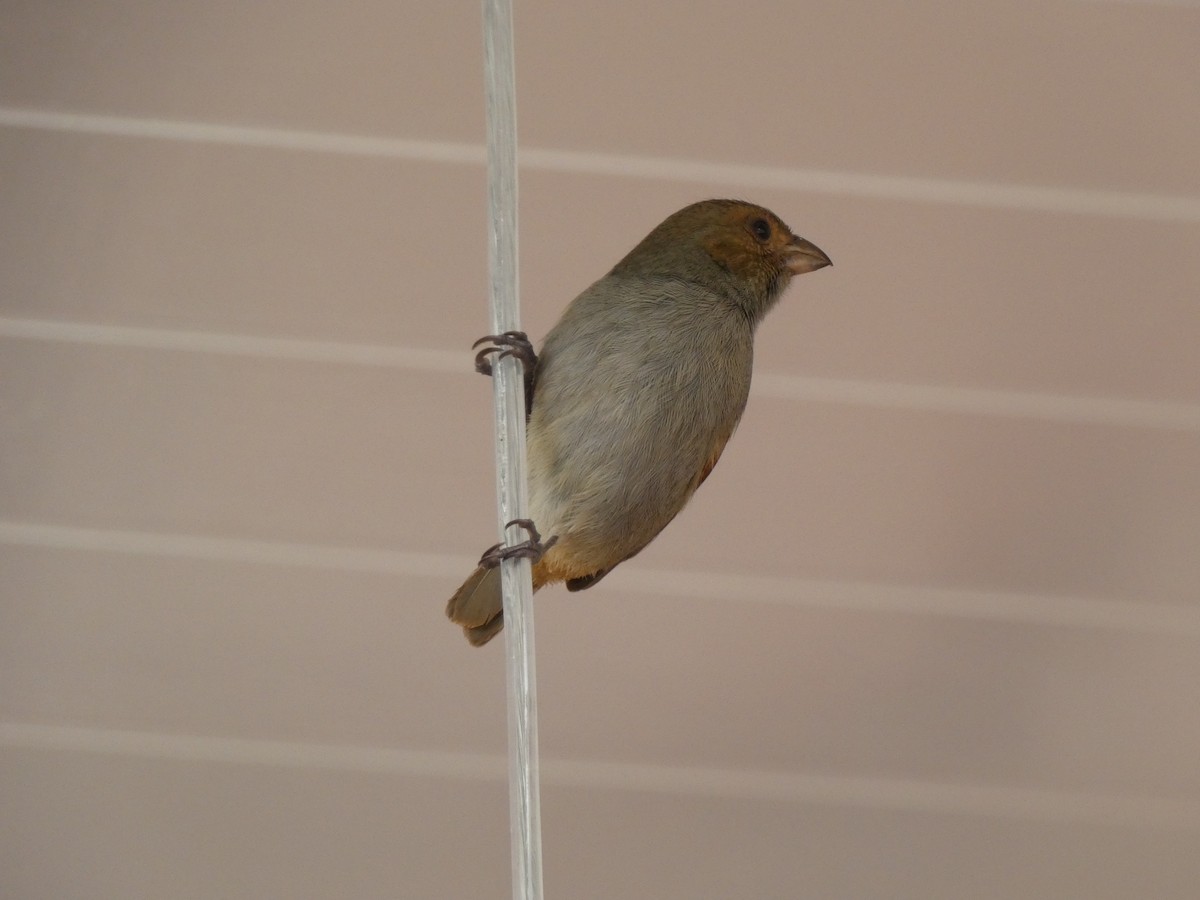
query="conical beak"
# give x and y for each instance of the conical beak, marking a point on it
(805, 256)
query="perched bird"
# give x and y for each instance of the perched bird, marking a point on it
(636, 391)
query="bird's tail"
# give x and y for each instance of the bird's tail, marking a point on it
(478, 606)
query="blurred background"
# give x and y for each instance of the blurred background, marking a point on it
(931, 630)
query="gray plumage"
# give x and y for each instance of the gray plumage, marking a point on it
(638, 388)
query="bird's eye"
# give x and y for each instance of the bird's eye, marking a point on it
(761, 229)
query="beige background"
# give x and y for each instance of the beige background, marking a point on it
(931, 630)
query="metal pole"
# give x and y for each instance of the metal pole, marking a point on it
(511, 490)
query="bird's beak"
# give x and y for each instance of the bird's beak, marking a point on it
(804, 256)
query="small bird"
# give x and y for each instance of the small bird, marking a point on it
(636, 391)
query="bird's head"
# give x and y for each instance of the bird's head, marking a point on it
(727, 243)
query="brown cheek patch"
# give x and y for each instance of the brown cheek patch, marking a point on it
(732, 254)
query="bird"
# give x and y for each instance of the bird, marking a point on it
(635, 393)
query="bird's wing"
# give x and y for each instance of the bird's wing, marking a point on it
(586, 581)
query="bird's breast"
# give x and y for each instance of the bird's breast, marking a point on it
(626, 419)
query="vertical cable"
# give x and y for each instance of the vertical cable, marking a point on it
(511, 490)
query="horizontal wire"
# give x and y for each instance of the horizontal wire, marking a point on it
(1163, 415)
(1033, 609)
(1150, 414)
(221, 343)
(1076, 201)
(908, 795)
(1179, 4)
(238, 550)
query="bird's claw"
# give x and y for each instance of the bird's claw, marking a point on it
(511, 343)
(532, 549)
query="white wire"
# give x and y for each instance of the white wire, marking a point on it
(511, 490)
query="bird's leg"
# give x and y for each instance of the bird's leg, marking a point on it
(532, 549)
(511, 343)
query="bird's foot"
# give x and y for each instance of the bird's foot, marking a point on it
(510, 343)
(532, 549)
